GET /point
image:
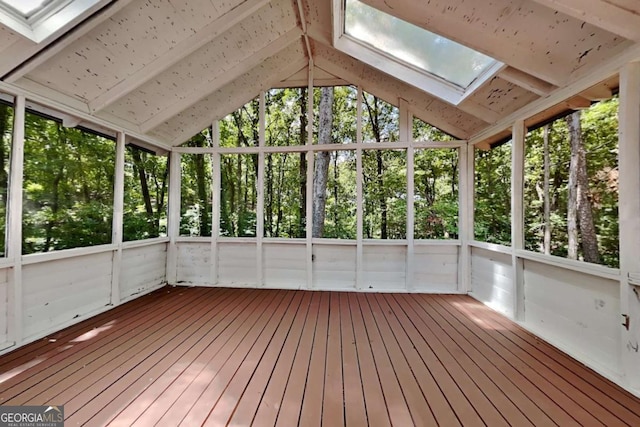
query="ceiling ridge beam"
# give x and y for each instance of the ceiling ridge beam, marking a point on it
(602, 14)
(32, 57)
(287, 68)
(226, 76)
(177, 53)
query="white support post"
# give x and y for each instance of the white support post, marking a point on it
(215, 201)
(517, 217)
(118, 218)
(173, 228)
(465, 215)
(359, 201)
(629, 207)
(14, 224)
(310, 159)
(406, 134)
(260, 204)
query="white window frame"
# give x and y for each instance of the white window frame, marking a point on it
(51, 19)
(412, 75)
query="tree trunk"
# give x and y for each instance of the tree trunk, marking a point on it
(202, 194)
(572, 201)
(588, 237)
(142, 176)
(160, 201)
(336, 200)
(302, 212)
(4, 116)
(547, 206)
(377, 134)
(384, 233)
(268, 199)
(321, 171)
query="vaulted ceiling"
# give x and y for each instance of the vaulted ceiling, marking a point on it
(166, 69)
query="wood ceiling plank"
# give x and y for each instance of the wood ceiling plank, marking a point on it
(177, 53)
(233, 95)
(618, 19)
(198, 93)
(22, 53)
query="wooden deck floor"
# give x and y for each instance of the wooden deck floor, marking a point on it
(202, 356)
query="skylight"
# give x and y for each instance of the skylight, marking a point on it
(25, 7)
(426, 60)
(39, 19)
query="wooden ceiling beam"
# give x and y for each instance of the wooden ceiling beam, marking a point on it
(604, 14)
(526, 81)
(578, 103)
(598, 92)
(176, 54)
(32, 55)
(226, 76)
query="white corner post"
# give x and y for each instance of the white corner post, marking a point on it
(517, 217)
(310, 159)
(118, 218)
(215, 201)
(406, 134)
(359, 199)
(465, 214)
(629, 211)
(173, 227)
(14, 224)
(260, 193)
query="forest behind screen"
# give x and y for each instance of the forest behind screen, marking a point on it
(69, 175)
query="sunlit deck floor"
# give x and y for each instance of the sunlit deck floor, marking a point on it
(195, 356)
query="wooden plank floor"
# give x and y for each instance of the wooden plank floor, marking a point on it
(203, 356)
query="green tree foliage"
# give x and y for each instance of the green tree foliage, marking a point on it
(68, 187)
(340, 217)
(195, 210)
(493, 195)
(238, 195)
(145, 194)
(384, 190)
(282, 213)
(436, 194)
(600, 136)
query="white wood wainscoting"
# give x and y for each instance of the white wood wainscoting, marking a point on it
(571, 304)
(65, 287)
(386, 265)
(4, 309)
